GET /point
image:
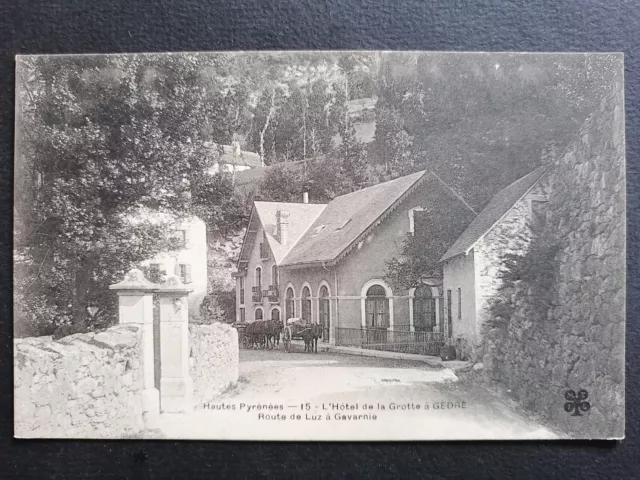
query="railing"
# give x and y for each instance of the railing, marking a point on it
(256, 294)
(265, 253)
(273, 293)
(399, 339)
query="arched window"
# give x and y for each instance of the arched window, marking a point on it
(324, 311)
(258, 314)
(275, 280)
(275, 314)
(424, 309)
(377, 307)
(306, 305)
(290, 304)
(258, 277)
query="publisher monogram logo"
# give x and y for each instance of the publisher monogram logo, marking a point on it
(576, 402)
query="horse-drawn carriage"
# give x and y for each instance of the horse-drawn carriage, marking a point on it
(243, 338)
(259, 334)
(295, 329)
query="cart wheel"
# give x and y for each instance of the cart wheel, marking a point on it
(245, 342)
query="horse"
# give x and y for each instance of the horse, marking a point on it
(310, 337)
(273, 328)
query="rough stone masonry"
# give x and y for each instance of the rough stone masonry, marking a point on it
(213, 360)
(83, 385)
(90, 385)
(579, 343)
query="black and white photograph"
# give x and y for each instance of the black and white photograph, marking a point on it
(320, 245)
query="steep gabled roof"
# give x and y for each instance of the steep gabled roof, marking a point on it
(499, 205)
(301, 216)
(348, 217)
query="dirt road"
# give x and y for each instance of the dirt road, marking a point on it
(324, 396)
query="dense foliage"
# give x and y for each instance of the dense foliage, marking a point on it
(217, 307)
(533, 273)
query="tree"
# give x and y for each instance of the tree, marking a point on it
(442, 220)
(214, 201)
(99, 140)
(218, 307)
(282, 183)
(270, 112)
(394, 144)
(320, 128)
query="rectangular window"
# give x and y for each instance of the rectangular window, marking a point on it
(242, 291)
(184, 239)
(459, 303)
(242, 315)
(185, 273)
(39, 179)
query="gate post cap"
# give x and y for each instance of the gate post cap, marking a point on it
(134, 280)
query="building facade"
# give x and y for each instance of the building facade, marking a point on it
(471, 267)
(326, 264)
(188, 261)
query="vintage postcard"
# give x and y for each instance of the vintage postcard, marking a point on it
(339, 245)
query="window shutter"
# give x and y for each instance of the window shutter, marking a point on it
(176, 270)
(187, 274)
(187, 239)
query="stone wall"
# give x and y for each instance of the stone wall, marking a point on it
(511, 235)
(83, 385)
(576, 341)
(213, 360)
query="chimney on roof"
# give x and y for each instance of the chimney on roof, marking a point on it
(305, 197)
(282, 226)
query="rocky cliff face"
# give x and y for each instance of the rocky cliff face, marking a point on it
(577, 341)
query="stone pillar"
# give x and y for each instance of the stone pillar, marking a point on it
(176, 386)
(135, 306)
(412, 327)
(390, 330)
